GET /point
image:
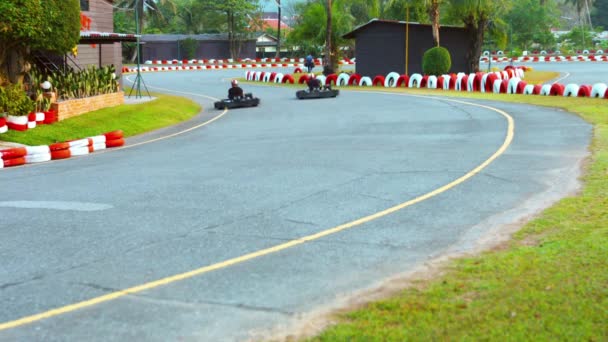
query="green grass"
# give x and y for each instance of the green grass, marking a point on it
(133, 119)
(550, 282)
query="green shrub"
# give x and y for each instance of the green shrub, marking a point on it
(436, 61)
(189, 47)
(15, 101)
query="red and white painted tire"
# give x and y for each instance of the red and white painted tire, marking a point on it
(512, 87)
(521, 86)
(470, 82)
(37, 158)
(496, 85)
(365, 81)
(11, 153)
(390, 81)
(3, 129)
(415, 81)
(114, 143)
(447, 82)
(599, 90)
(545, 90)
(431, 82)
(571, 90)
(343, 79)
(266, 77)
(461, 82)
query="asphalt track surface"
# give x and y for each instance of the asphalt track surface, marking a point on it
(75, 233)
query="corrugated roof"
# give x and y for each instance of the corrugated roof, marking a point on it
(95, 37)
(176, 37)
(351, 34)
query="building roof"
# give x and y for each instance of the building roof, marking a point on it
(94, 37)
(352, 34)
(176, 37)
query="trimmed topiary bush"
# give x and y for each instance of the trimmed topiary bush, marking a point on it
(436, 61)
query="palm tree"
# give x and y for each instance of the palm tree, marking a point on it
(581, 7)
(433, 10)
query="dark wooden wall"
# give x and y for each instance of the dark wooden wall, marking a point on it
(207, 49)
(380, 47)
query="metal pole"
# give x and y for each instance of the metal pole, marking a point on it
(278, 54)
(138, 80)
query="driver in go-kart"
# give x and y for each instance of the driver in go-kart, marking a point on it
(313, 83)
(235, 92)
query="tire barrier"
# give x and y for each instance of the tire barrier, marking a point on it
(62, 150)
(512, 85)
(278, 78)
(529, 89)
(297, 70)
(365, 81)
(390, 81)
(3, 126)
(354, 79)
(462, 82)
(500, 86)
(424, 81)
(378, 81)
(321, 78)
(415, 81)
(303, 79)
(556, 90)
(331, 78)
(545, 90)
(287, 79)
(584, 91)
(599, 90)
(571, 90)
(343, 79)
(266, 77)
(431, 82)
(403, 80)
(521, 86)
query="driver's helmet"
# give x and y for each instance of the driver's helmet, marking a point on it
(234, 83)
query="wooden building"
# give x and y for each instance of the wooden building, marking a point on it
(99, 46)
(208, 46)
(380, 46)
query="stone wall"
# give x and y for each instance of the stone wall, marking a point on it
(71, 108)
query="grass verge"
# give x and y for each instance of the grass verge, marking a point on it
(550, 282)
(133, 119)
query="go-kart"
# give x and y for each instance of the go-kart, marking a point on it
(318, 93)
(246, 101)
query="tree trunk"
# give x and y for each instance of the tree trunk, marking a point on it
(434, 15)
(328, 39)
(475, 33)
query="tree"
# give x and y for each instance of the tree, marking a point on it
(600, 15)
(529, 22)
(25, 25)
(476, 15)
(581, 7)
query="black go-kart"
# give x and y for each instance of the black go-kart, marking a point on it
(319, 93)
(246, 101)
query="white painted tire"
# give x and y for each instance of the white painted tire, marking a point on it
(415, 79)
(496, 86)
(486, 53)
(79, 143)
(545, 90)
(446, 81)
(571, 90)
(585, 52)
(3, 129)
(79, 150)
(500, 53)
(98, 139)
(17, 119)
(365, 81)
(599, 52)
(31, 124)
(39, 117)
(322, 79)
(470, 82)
(258, 75)
(543, 52)
(37, 158)
(390, 81)
(599, 90)
(459, 78)
(99, 146)
(512, 87)
(343, 79)
(529, 89)
(278, 78)
(484, 80)
(41, 149)
(431, 82)
(266, 77)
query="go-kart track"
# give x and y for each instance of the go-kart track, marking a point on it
(241, 227)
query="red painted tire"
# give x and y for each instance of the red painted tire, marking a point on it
(2, 121)
(59, 146)
(354, 79)
(60, 154)
(403, 79)
(521, 86)
(16, 127)
(12, 153)
(118, 134)
(303, 79)
(288, 79)
(463, 82)
(537, 89)
(489, 84)
(556, 90)
(584, 91)
(440, 82)
(272, 76)
(424, 81)
(115, 142)
(331, 78)
(297, 70)
(378, 81)
(477, 81)
(14, 161)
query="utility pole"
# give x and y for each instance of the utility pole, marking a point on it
(328, 42)
(278, 55)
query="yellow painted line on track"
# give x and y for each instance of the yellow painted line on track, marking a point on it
(171, 279)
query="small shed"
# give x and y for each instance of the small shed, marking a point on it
(209, 46)
(380, 46)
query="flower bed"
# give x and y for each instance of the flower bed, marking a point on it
(70, 108)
